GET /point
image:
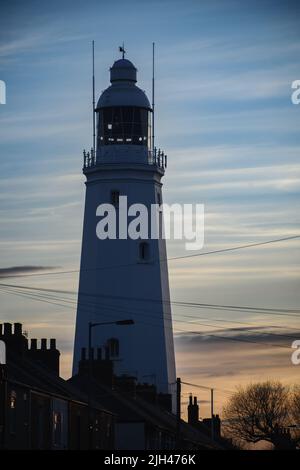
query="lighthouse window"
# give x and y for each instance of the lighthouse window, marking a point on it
(144, 251)
(122, 125)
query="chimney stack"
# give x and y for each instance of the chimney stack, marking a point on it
(47, 357)
(18, 329)
(193, 411)
(7, 329)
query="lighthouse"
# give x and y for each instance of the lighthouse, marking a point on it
(124, 277)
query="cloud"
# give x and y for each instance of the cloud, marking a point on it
(38, 39)
(15, 270)
(264, 336)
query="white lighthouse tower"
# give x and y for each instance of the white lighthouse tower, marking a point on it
(125, 278)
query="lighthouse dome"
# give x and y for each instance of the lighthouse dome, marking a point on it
(123, 91)
(123, 69)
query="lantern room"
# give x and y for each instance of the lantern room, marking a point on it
(123, 110)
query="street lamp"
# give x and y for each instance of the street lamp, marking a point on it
(91, 326)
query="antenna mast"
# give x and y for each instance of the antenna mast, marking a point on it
(153, 48)
(94, 125)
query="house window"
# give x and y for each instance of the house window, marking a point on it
(13, 411)
(144, 251)
(114, 197)
(12, 402)
(57, 428)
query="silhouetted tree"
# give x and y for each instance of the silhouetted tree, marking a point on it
(295, 405)
(295, 413)
(260, 412)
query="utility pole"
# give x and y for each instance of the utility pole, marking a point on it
(178, 411)
(212, 412)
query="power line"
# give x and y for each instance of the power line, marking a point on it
(147, 315)
(274, 311)
(222, 250)
(101, 305)
(240, 247)
(207, 388)
(150, 314)
(156, 325)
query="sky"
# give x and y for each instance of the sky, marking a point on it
(225, 118)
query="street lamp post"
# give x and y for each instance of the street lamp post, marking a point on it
(91, 326)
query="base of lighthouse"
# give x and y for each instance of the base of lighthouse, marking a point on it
(123, 279)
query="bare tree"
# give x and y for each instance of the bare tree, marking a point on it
(295, 405)
(259, 412)
(295, 413)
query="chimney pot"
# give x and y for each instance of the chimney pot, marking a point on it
(52, 343)
(195, 400)
(191, 399)
(7, 329)
(33, 344)
(18, 329)
(43, 343)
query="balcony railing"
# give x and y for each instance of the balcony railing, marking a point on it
(156, 157)
(89, 159)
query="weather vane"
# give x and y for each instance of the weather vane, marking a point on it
(122, 49)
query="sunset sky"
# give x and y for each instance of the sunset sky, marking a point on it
(225, 118)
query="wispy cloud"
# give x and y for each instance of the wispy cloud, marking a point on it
(15, 270)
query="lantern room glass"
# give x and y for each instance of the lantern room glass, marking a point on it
(123, 125)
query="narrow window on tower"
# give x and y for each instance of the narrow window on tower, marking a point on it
(114, 197)
(144, 251)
